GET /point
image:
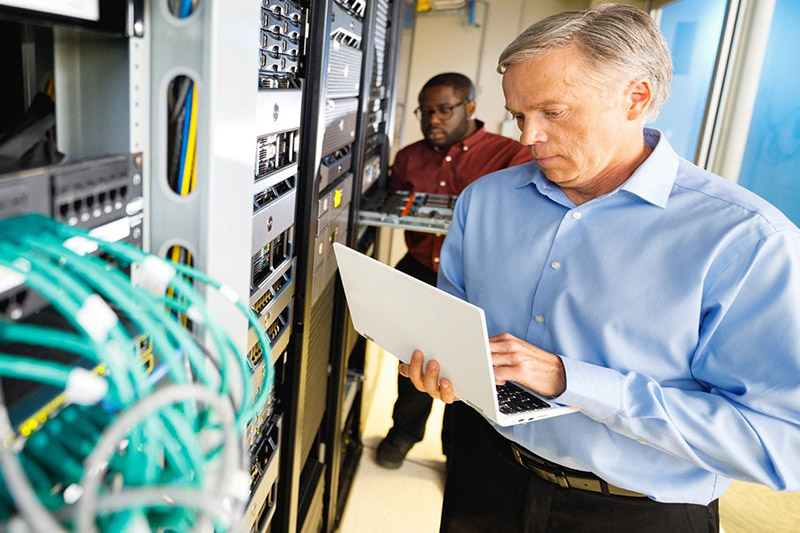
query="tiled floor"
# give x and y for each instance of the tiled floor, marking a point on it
(409, 499)
(403, 500)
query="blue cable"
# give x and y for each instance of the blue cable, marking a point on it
(186, 6)
(187, 120)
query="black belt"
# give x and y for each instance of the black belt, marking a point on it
(566, 477)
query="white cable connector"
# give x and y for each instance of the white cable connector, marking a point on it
(237, 485)
(153, 275)
(80, 245)
(10, 279)
(72, 493)
(195, 315)
(84, 387)
(96, 318)
(229, 294)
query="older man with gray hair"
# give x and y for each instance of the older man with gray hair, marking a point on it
(660, 300)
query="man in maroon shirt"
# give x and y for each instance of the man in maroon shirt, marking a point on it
(456, 151)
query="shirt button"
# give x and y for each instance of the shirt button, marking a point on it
(576, 215)
(442, 183)
(435, 259)
(448, 158)
(556, 265)
(465, 148)
(539, 318)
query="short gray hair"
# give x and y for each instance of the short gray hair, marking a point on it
(619, 42)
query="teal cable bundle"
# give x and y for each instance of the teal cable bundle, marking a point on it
(163, 451)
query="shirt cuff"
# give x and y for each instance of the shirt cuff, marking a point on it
(595, 390)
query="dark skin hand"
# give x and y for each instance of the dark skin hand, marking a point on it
(513, 360)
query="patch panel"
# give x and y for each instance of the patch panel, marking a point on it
(94, 192)
(282, 24)
(274, 152)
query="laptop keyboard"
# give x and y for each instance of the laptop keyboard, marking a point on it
(513, 400)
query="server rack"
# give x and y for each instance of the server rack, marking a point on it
(293, 118)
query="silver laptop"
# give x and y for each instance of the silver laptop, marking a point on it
(402, 314)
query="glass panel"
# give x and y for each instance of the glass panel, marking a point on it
(771, 165)
(692, 29)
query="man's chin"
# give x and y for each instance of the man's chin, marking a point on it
(437, 141)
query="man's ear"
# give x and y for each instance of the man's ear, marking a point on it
(471, 108)
(638, 99)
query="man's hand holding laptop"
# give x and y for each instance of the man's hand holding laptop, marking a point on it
(512, 359)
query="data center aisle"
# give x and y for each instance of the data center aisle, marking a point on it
(403, 500)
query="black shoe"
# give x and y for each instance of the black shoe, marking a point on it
(392, 450)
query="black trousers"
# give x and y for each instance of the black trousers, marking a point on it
(412, 407)
(487, 491)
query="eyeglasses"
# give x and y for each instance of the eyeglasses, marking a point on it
(443, 113)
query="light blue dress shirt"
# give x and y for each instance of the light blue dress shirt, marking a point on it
(674, 303)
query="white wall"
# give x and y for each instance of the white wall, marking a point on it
(444, 42)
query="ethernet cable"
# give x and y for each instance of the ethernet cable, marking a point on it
(119, 294)
(118, 290)
(183, 437)
(59, 297)
(17, 482)
(96, 274)
(82, 386)
(232, 466)
(187, 437)
(131, 255)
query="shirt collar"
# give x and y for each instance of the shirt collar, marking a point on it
(652, 181)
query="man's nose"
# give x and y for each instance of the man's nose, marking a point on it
(532, 133)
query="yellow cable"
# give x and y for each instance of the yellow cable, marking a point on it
(189, 165)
